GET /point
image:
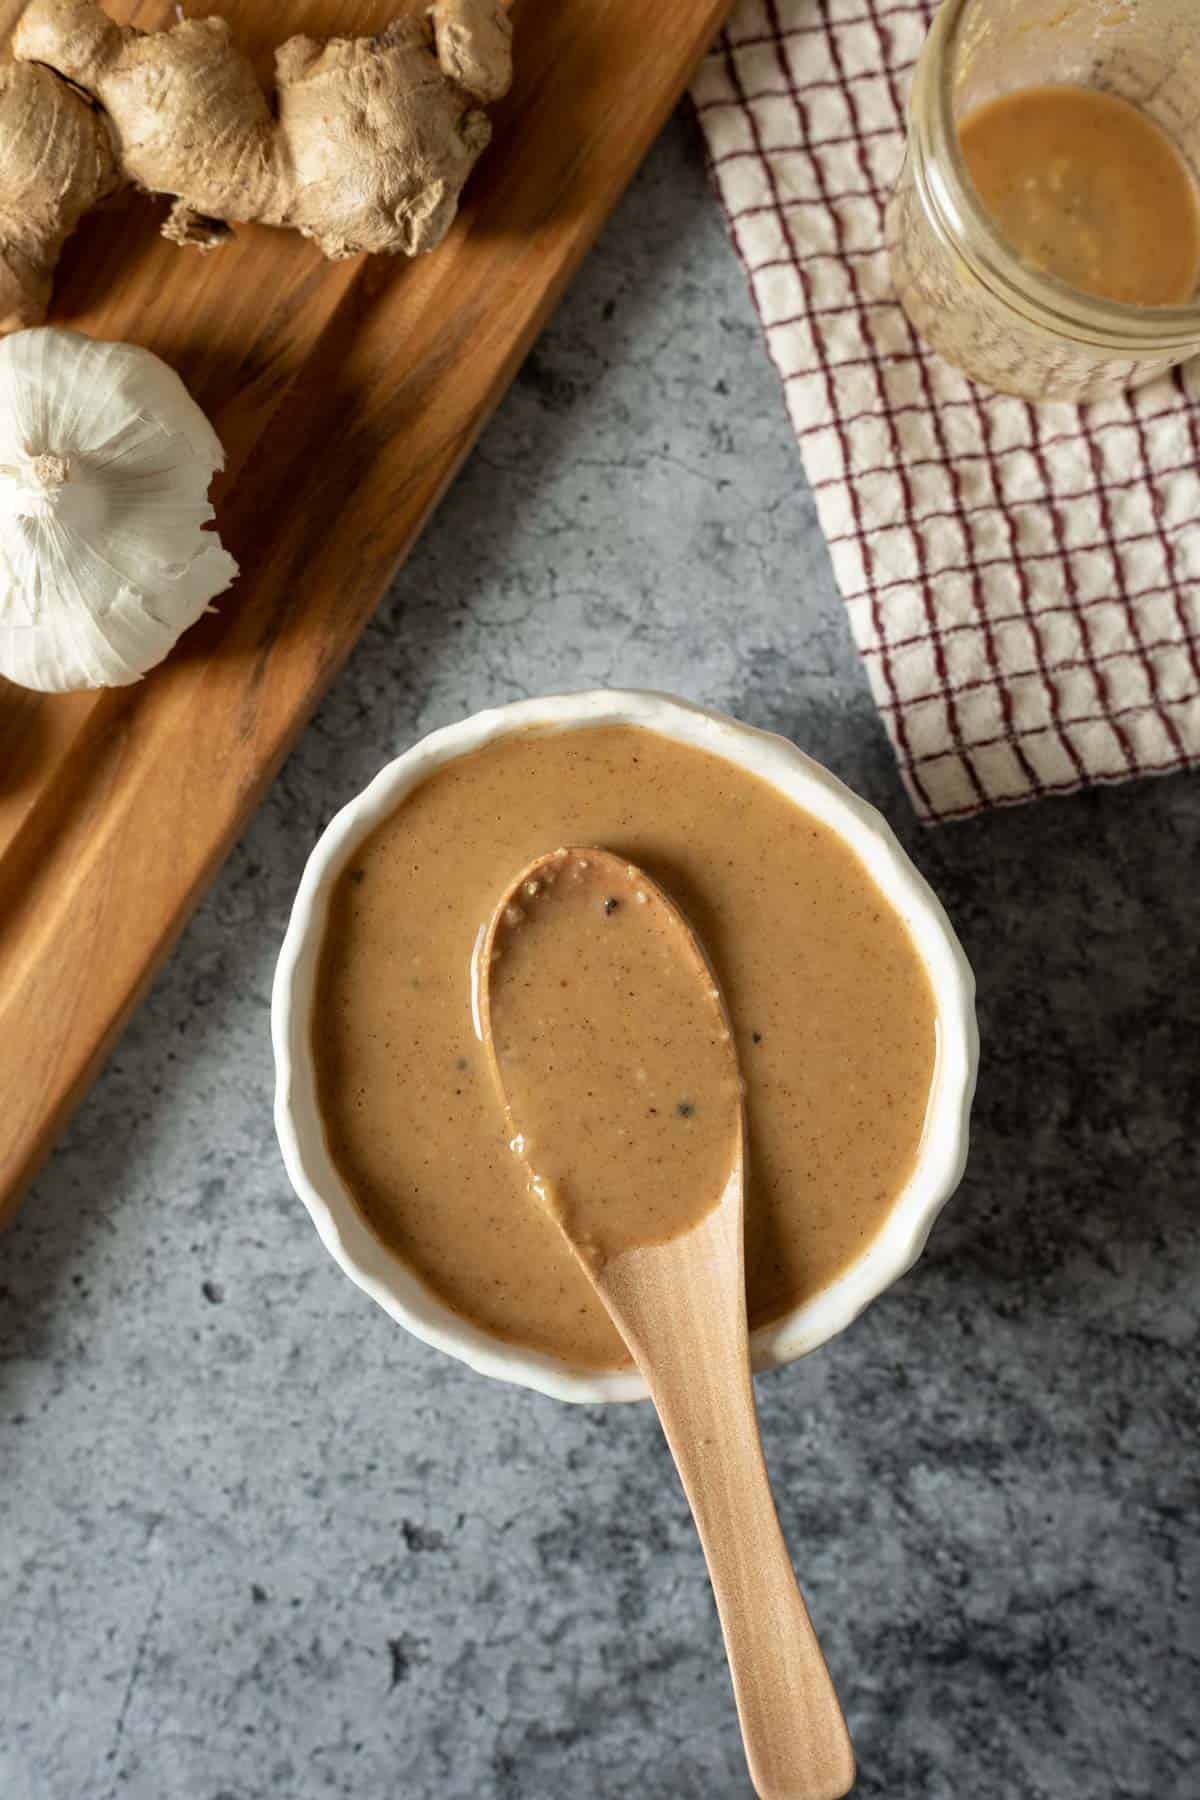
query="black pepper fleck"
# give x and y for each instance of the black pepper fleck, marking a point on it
(611, 904)
(685, 1109)
(756, 1037)
(213, 1292)
(357, 875)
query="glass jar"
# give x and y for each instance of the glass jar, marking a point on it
(964, 288)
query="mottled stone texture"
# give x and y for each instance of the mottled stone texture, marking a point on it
(258, 1543)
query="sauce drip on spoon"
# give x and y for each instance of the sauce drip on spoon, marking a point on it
(612, 1051)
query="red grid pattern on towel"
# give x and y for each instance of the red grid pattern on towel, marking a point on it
(1024, 584)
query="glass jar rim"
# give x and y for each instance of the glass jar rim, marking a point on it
(957, 212)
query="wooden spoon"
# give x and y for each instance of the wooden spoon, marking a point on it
(611, 1049)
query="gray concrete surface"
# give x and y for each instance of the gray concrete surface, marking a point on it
(256, 1542)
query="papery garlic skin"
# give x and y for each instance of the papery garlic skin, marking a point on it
(105, 464)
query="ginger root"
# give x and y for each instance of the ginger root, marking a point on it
(56, 162)
(368, 147)
(474, 45)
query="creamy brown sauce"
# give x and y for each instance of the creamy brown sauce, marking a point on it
(831, 1009)
(1088, 188)
(612, 1052)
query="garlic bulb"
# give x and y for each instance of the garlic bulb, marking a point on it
(105, 462)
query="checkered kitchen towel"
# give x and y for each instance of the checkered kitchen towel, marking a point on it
(1022, 583)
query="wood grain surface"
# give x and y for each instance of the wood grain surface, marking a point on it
(346, 395)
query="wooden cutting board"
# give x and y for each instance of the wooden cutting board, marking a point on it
(346, 395)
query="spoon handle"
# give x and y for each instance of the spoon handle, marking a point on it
(695, 1358)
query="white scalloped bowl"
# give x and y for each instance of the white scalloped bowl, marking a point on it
(388, 1280)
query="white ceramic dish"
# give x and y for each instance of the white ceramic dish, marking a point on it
(297, 1120)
